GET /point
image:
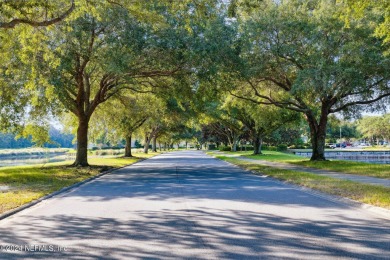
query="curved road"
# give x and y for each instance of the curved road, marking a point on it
(187, 205)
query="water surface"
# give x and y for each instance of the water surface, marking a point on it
(376, 157)
(32, 160)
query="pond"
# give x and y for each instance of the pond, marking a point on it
(378, 157)
(33, 159)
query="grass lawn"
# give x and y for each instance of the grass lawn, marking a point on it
(370, 194)
(359, 168)
(275, 156)
(27, 183)
(376, 148)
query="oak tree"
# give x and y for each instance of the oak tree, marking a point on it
(298, 56)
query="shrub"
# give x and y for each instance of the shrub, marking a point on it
(246, 148)
(281, 147)
(268, 148)
(225, 148)
(212, 147)
(296, 146)
(138, 144)
(103, 152)
(111, 148)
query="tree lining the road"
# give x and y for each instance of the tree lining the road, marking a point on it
(119, 119)
(90, 59)
(92, 69)
(375, 128)
(299, 57)
(296, 56)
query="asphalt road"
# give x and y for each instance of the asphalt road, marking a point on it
(187, 205)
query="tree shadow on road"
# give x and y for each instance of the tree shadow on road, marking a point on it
(209, 211)
(200, 234)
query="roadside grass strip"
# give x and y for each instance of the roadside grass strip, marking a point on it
(358, 168)
(365, 193)
(348, 167)
(23, 184)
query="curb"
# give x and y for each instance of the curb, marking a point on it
(374, 210)
(63, 190)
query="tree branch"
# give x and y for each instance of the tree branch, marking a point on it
(32, 23)
(271, 102)
(362, 102)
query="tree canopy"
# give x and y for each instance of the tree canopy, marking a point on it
(221, 71)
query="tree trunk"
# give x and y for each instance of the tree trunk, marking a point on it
(318, 143)
(234, 147)
(82, 143)
(257, 142)
(128, 147)
(234, 143)
(154, 144)
(146, 144)
(317, 135)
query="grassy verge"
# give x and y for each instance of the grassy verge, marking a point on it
(370, 194)
(376, 148)
(359, 168)
(22, 184)
(349, 167)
